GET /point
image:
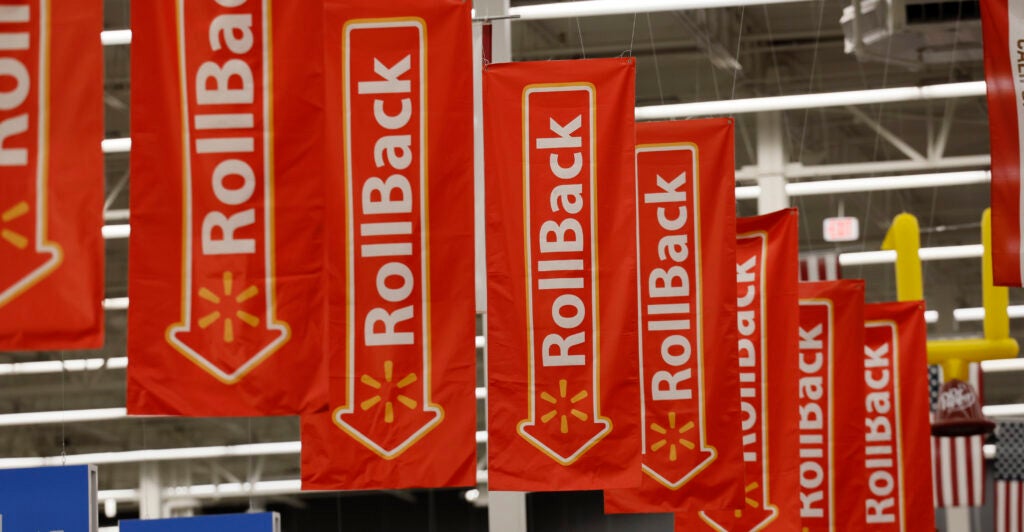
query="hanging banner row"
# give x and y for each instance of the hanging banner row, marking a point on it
(302, 243)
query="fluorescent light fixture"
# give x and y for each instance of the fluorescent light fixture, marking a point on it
(116, 37)
(811, 101)
(978, 313)
(22, 419)
(114, 232)
(56, 366)
(1005, 365)
(931, 316)
(591, 8)
(119, 145)
(888, 256)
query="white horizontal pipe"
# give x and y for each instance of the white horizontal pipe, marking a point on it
(591, 8)
(117, 145)
(115, 303)
(164, 455)
(1003, 411)
(931, 316)
(870, 184)
(263, 488)
(114, 232)
(115, 215)
(22, 419)
(811, 101)
(888, 256)
(978, 313)
(116, 37)
(56, 366)
(800, 171)
(1006, 365)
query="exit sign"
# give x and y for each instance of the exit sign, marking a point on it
(840, 229)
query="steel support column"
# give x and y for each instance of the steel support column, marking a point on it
(771, 163)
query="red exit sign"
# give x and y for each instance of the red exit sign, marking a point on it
(840, 229)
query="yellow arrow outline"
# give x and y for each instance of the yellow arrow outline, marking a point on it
(272, 323)
(43, 245)
(433, 408)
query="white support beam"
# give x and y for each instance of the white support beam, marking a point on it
(812, 101)
(799, 171)
(827, 187)
(592, 8)
(886, 134)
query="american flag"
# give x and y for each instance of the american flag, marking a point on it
(958, 462)
(1010, 477)
(819, 267)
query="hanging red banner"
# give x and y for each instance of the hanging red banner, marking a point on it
(896, 428)
(563, 394)
(403, 365)
(1002, 23)
(227, 200)
(830, 435)
(686, 222)
(768, 318)
(51, 186)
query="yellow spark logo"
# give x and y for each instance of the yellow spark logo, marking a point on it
(229, 322)
(750, 502)
(14, 238)
(389, 407)
(672, 454)
(563, 386)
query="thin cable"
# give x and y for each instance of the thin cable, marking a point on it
(579, 31)
(632, 37)
(739, 41)
(806, 228)
(654, 52)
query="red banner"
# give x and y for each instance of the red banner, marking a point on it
(561, 261)
(685, 194)
(897, 428)
(403, 368)
(768, 318)
(226, 252)
(830, 435)
(1002, 23)
(51, 182)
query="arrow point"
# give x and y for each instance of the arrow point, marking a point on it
(747, 520)
(228, 362)
(674, 476)
(23, 269)
(568, 445)
(388, 439)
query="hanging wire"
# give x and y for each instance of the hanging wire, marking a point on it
(579, 32)
(632, 37)
(654, 52)
(805, 227)
(739, 41)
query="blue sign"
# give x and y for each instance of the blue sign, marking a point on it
(265, 522)
(48, 499)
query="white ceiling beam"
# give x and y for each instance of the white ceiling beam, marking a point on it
(812, 101)
(799, 171)
(592, 8)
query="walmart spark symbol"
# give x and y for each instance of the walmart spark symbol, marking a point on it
(563, 386)
(229, 322)
(389, 408)
(12, 237)
(750, 502)
(658, 445)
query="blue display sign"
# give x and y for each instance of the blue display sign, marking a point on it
(265, 522)
(48, 499)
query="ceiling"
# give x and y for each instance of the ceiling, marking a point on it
(720, 54)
